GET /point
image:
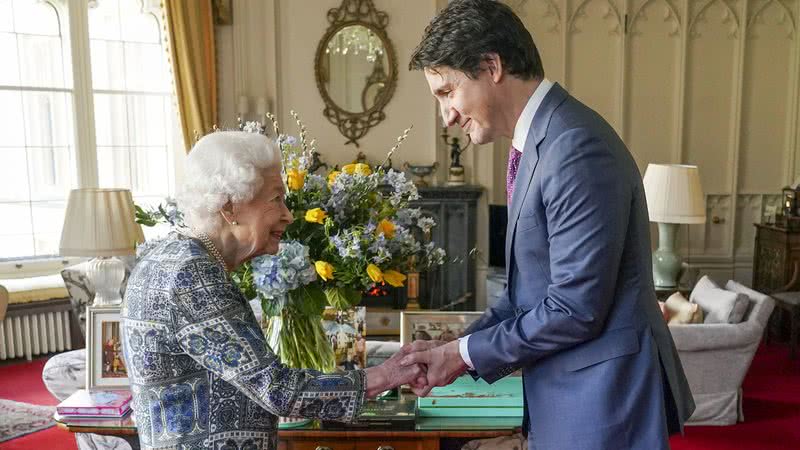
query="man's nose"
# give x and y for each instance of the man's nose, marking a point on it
(449, 116)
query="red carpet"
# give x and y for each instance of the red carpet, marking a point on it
(771, 408)
(22, 382)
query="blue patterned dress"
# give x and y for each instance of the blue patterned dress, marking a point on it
(201, 372)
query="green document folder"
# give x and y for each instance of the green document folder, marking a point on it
(469, 398)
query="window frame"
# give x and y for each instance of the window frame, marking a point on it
(73, 17)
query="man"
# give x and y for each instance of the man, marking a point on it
(579, 315)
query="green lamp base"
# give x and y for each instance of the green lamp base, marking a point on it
(666, 263)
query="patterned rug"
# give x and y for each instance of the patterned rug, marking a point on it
(18, 419)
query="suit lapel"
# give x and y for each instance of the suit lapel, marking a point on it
(530, 159)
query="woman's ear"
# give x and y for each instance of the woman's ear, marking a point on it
(228, 214)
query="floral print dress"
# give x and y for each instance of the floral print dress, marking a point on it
(201, 372)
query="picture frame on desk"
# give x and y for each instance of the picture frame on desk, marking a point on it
(435, 325)
(105, 365)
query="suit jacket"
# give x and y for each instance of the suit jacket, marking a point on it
(579, 314)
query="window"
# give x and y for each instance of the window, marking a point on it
(135, 127)
(133, 107)
(36, 128)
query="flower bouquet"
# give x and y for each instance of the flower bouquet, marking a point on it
(353, 228)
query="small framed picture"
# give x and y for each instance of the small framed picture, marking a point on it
(435, 325)
(105, 366)
(347, 333)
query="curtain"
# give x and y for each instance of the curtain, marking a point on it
(190, 31)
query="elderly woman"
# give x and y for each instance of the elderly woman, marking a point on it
(201, 372)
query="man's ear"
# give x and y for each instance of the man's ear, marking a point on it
(494, 65)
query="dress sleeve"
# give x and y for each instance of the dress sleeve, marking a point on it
(215, 327)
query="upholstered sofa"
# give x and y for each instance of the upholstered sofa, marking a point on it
(716, 357)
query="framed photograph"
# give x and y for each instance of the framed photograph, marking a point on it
(105, 366)
(347, 333)
(435, 325)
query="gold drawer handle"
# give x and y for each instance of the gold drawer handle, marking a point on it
(324, 448)
(385, 447)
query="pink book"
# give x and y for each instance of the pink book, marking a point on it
(96, 404)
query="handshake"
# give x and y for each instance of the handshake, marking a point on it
(422, 364)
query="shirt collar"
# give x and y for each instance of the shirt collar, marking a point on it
(526, 118)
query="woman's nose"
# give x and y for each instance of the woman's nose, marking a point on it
(287, 215)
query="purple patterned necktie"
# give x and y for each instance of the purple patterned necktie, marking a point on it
(514, 157)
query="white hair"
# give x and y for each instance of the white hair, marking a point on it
(223, 167)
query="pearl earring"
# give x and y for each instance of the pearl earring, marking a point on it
(234, 223)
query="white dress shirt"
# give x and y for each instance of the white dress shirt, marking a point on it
(521, 130)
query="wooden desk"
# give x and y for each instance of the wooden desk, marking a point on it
(312, 437)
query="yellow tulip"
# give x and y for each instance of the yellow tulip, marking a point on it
(296, 179)
(374, 273)
(359, 168)
(363, 169)
(394, 278)
(349, 169)
(386, 227)
(324, 269)
(316, 215)
(332, 177)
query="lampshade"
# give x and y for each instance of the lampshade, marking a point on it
(674, 194)
(100, 222)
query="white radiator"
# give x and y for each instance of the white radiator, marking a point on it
(34, 334)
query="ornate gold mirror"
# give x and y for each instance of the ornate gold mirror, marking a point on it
(356, 68)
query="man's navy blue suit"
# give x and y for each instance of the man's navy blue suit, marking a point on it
(579, 315)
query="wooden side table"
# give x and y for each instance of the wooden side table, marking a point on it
(311, 437)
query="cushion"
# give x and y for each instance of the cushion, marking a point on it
(664, 311)
(719, 305)
(34, 289)
(682, 311)
(81, 294)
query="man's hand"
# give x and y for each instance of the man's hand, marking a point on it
(391, 374)
(443, 363)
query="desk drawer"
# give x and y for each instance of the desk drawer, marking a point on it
(317, 444)
(398, 444)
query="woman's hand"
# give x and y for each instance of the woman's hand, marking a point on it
(391, 374)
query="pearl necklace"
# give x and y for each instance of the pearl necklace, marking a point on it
(212, 249)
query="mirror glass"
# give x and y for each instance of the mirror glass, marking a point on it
(355, 66)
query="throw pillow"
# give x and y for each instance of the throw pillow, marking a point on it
(664, 311)
(682, 311)
(719, 305)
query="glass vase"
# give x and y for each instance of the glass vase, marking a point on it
(299, 340)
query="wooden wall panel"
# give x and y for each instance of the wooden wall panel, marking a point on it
(765, 131)
(594, 55)
(544, 20)
(712, 55)
(651, 81)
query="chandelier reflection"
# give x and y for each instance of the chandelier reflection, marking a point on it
(356, 40)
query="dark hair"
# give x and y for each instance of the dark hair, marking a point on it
(465, 31)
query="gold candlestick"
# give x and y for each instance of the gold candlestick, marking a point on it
(412, 285)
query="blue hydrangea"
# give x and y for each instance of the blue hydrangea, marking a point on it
(275, 275)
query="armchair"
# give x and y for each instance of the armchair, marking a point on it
(716, 357)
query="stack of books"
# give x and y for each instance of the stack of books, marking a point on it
(467, 397)
(96, 404)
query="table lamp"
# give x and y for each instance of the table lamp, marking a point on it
(101, 223)
(674, 196)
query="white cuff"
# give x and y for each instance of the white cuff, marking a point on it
(463, 348)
